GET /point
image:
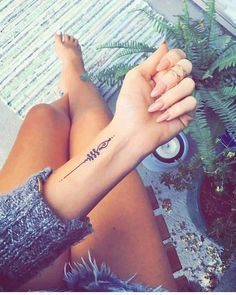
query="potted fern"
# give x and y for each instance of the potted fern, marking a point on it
(213, 55)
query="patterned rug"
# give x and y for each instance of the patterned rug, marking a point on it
(29, 67)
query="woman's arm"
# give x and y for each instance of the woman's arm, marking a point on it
(75, 188)
(31, 235)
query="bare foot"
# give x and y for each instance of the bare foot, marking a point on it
(69, 52)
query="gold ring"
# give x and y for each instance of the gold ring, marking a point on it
(179, 72)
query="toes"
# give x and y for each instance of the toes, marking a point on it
(77, 45)
(74, 40)
(67, 38)
(58, 37)
(70, 39)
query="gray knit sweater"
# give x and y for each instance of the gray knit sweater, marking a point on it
(32, 237)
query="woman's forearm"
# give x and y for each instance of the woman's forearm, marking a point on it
(75, 188)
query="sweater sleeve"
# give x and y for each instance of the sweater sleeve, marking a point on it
(31, 235)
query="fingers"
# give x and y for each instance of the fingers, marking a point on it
(161, 59)
(187, 118)
(148, 67)
(186, 105)
(168, 79)
(175, 94)
(170, 59)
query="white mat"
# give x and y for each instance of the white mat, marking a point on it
(29, 67)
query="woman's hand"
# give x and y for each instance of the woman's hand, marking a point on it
(146, 95)
(155, 101)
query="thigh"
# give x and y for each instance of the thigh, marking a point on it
(125, 231)
(42, 141)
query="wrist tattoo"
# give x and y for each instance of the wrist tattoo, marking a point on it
(91, 156)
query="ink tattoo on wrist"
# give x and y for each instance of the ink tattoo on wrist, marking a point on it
(91, 156)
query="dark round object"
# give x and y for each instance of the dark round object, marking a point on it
(176, 157)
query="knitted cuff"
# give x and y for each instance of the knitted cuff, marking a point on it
(31, 235)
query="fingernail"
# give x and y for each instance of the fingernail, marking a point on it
(159, 89)
(164, 64)
(58, 32)
(155, 106)
(163, 117)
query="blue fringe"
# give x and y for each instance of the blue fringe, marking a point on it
(89, 277)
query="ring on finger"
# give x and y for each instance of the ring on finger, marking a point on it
(179, 72)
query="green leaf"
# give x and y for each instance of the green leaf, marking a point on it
(130, 45)
(113, 75)
(221, 42)
(210, 19)
(224, 108)
(160, 24)
(201, 133)
(229, 91)
(225, 60)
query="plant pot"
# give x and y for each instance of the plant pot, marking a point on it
(206, 207)
(168, 155)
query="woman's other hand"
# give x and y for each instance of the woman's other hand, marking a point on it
(155, 101)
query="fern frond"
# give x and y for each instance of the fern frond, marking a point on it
(186, 11)
(201, 133)
(160, 24)
(185, 18)
(210, 17)
(178, 32)
(130, 45)
(229, 91)
(128, 52)
(186, 30)
(221, 43)
(113, 75)
(225, 60)
(224, 108)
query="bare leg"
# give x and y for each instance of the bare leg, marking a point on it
(125, 233)
(41, 142)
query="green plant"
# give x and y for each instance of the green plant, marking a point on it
(223, 178)
(218, 194)
(182, 178)
(213, 55)
(214, 59)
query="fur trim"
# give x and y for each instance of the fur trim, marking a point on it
(89, 277)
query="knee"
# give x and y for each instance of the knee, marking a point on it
(45, 113)
(96, 114)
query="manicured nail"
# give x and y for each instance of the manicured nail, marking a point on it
(159, 89)
(163, 117)
(164, 64)
(156, 106)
